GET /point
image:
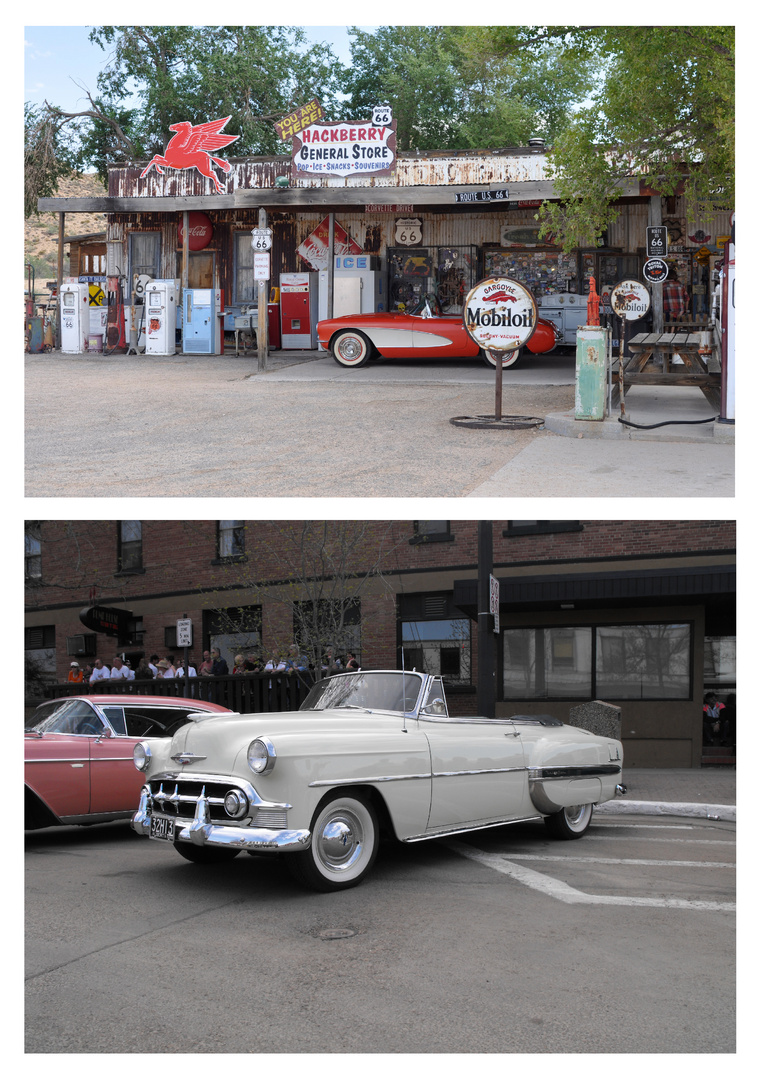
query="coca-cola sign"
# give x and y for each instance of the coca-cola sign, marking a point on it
(199, 230)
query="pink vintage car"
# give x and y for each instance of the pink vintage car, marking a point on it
(78, 754)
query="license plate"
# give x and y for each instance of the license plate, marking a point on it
(162, 829)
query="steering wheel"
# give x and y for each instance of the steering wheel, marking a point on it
(428, 306)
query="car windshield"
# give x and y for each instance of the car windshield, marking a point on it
(73, 717)
(385, 690)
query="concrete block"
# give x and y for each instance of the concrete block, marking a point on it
(599, 717)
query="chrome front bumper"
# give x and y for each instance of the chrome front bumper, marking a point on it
(203, 833)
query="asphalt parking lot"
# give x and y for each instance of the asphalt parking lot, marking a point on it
(215, 426)
(495, 942)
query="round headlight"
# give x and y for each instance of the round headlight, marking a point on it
(142, 756)
(261, 756)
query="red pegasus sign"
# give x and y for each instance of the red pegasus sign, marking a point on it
(192, 148)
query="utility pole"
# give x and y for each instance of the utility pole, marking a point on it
(486, 642)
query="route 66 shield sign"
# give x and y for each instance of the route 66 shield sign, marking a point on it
(381, 115)
(408, 232)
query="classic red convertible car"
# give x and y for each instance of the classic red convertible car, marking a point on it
(424, 333)
(78, 754)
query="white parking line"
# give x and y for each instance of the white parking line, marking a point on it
(626, 862)
(559, 890)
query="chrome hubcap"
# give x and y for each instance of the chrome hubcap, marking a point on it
(340, 841)
(349, 348)
(576, 815)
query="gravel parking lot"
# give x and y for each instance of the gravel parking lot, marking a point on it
(213, 426)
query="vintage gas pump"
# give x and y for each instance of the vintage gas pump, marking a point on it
(202, 321)
(160, 316)
(75, 317)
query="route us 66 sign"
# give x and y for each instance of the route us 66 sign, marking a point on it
(262, 239)
(408, 232)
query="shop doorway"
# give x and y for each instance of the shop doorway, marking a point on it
(201, 269)
(445, 272)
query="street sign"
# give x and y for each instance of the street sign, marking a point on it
(184, 633)
(656, 243)
(493, 592)
(262, 266)
(262, 239)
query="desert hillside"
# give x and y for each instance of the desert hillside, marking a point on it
(41, 230)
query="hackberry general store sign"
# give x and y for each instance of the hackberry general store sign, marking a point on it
(324, 149)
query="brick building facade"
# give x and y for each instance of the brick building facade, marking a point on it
(641, 613)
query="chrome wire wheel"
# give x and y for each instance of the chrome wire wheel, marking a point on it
(343, 846)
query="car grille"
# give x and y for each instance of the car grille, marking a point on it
(177, 797)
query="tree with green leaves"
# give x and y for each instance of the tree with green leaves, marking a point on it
(450, 89)
(663, 110)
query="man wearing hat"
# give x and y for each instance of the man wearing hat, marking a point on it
(75, 672)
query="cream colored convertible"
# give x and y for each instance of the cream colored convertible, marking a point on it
(368, 752)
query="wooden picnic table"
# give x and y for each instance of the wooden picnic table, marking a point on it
(651, 364)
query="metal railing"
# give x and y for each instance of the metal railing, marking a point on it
(256, 692)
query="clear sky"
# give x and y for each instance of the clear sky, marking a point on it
(56, 55)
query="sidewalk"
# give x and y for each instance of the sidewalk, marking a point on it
(704, 793)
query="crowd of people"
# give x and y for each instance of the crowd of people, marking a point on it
(213, 665)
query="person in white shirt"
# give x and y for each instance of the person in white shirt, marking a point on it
(118, 669)
(100, 671)
(181, 674)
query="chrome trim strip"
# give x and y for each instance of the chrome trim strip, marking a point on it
(562, 772)
(369, 779)
(479, 772)
(437, 834)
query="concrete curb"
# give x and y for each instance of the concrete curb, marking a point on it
(714, 812)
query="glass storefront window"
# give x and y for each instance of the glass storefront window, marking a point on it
(629, 663)
(438, 647)
(548, 663)
(641, 662)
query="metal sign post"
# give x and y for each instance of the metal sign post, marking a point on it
(262, 239)
(500, 315)
(630, 300)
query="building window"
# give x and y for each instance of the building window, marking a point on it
(552, 662)
(133, 633)
(530, 528)
(32, 551)
(640, 662)
(629, 663)
(244, 274)
(144, 255)
(230, 546)
(129, 547)
(431, 532)
(435, 638)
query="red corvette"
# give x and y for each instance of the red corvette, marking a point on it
(425, 332)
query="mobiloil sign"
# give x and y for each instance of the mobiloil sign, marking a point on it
(500, 314)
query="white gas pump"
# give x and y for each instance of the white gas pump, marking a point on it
(160, 303)
(75, 317)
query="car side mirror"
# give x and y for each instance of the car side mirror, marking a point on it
(107, 733)
(436, 707)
